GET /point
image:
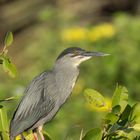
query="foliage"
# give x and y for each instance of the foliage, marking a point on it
(8, 66)
(97, 102)
(119, 122)
(94, 134)
(8, 39)
(4, 126)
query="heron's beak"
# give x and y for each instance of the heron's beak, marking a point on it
(95, 54)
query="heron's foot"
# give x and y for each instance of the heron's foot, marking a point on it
(38, 135)
(35, 136)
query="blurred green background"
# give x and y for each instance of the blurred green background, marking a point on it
(42, 29)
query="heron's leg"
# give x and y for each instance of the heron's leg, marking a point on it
(40, 132)
(35, 136)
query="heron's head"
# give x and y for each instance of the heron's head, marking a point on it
(76, 56)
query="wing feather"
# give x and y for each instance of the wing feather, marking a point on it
(37, 102)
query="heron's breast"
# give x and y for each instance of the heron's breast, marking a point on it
(65, 81)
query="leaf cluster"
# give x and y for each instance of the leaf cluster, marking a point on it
(119, 122)
(5, 61)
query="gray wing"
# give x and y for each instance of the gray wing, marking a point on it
(38, 101)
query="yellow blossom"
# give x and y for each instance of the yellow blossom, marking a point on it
(105, 107)
(105, 30)
(74, 34)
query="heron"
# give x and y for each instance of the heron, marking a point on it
(47, 92)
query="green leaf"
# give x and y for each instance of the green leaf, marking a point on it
(133, 113)
(126, 134)
(125, 115)
(3, 118)
(114, 128)
(120, 97)
(94, 97)
(94, 134)
(136, 127)
(116, 109)
(10, 98)
(111, 118)
(9, 67)
(8, 39)
(4, 123)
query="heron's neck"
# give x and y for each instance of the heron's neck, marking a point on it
(65, 66)
(65, 76)
(66, 71)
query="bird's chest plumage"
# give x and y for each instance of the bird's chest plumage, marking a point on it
(65, 81)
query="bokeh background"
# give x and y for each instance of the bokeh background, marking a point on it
(43, 28)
